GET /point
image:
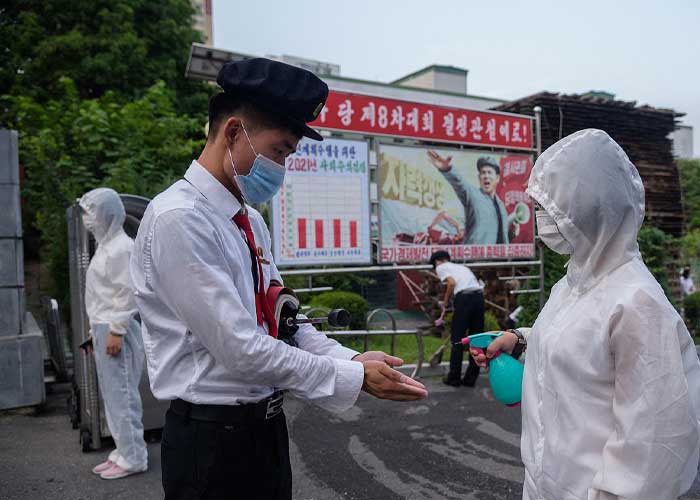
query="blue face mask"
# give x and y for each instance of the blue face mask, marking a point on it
(264, 179)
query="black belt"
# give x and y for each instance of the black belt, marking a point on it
(469, 292)
(226, 414)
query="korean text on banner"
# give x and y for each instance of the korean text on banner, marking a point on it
(470, 203)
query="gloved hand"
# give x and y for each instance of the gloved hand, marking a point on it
(505, 343)
(87, 346)
(441, 320)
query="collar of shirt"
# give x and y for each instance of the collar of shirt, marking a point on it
(220, 197)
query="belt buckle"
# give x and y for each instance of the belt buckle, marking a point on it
(274, 406)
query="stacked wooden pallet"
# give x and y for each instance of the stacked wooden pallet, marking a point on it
(642, 131)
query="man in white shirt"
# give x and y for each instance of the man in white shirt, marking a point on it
(201, 267)
(468, 315)
(687, 285)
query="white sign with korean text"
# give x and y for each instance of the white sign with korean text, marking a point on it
(321, 214)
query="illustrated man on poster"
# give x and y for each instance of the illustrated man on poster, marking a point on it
(485, 216)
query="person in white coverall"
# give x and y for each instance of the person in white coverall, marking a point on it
(611, 389)
(116, 335)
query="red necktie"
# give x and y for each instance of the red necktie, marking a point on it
(262, 307)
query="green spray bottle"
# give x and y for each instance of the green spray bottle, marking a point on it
(505, 372)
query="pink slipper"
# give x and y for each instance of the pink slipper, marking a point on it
(116, 472)
(106, 465)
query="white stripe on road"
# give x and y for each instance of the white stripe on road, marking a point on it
(496, 454)
(495, 431)
(420, 489)
(305, 482)
(448, 447)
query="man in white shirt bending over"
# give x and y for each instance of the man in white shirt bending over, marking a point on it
(201, 268)
(468, 313)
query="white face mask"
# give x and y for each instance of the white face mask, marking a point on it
(264, 179)
(88, 222)
(549, 234)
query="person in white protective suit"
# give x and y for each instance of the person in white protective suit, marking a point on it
(116, 335)
(611, 388)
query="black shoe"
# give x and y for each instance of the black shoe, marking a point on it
(469, 383)
(452, 382)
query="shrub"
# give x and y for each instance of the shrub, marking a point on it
(70, 145)
(490, 323)
(355, 304)
(692, 311)
(654, 245)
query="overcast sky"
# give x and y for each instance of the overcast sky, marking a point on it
(641, 50)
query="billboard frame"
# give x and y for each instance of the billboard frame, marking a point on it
(468, 148)
(214, 58)
(367, 187)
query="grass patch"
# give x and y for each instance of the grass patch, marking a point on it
(406, 346)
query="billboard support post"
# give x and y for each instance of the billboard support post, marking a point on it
(540, 248)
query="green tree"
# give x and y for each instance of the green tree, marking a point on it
(690, 245)
(654, 246)
(119, 46)
(70, 145)
(97, 92)
(689, 171)
(690, 183)
(554, 270)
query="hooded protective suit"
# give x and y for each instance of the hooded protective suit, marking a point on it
(110, 305)
(611, 390)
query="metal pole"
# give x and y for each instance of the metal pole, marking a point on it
(538, 130)
(396, 268)
(370, 318)
(540, 254)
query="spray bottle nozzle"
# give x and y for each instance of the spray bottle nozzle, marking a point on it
(505, 373)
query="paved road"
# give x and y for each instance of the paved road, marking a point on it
(459, 444)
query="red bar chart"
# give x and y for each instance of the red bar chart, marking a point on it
(318, 227)
(336, 233)
(322, 216)
(353, 233)
(301, 231)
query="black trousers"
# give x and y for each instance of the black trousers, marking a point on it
(209, 460)
(468, 316)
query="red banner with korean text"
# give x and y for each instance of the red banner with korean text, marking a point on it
(392, 117)
(515, 172)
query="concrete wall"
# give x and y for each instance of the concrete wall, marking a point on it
(424, 81)
(22, 369)
(450, 82)
(11, 252)
(21, 340)
(682, 139)
(409, 94)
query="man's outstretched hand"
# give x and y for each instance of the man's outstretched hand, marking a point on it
(378, 356)
(383, 382)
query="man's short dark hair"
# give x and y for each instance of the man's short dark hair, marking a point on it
(222, 106)
(439, 255)
(488, 161)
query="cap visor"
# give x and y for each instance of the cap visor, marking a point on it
(311, 133)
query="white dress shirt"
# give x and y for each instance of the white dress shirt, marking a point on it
(687, 286)
(465, 281)
(191, 270)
